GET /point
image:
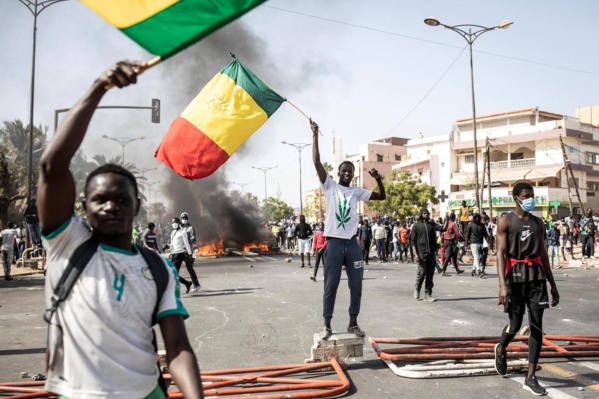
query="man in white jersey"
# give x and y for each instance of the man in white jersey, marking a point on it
(100, 337)
(341, 225)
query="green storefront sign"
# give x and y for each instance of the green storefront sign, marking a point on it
(497, 201)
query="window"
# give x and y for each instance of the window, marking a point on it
(592, 186)
(397, 157)
(469, 159)
(442, 164)
(517, 155)
(379, 158)
(591, 157)
(420, 171)
(574, 182)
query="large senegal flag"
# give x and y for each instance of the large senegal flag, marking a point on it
(165, 27)
(228, 110)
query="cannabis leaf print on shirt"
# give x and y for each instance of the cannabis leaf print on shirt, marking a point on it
(344, 209)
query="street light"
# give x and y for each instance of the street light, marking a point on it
(150, 190)
(123, 141)
(242, 185)
(299, 147)
(265, 169)
(470, 37)
(35, 7)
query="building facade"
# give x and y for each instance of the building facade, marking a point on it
(524, 145)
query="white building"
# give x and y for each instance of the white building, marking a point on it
(525, 146)
(431, 160)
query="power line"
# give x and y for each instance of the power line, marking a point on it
(431, 41)
(427, 93)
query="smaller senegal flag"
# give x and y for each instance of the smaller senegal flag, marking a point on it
(165, 27)
(228, 110)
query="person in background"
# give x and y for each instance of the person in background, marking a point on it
(318, 247)
(553, 241)
(8, 238)
(464, 218)
(149, 238)
(365, 236)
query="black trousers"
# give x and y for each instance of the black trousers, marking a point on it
(451, 254)
(178, 260)
(365, 245)
(426, 272)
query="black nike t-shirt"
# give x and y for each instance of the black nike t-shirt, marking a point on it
(522, 243)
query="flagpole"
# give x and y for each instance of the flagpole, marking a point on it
(144, 67)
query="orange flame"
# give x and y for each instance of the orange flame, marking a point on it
(249, 247)
(211, 248)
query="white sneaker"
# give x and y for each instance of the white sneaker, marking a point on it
(196, 288)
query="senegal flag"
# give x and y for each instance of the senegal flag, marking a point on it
(165, 27)
(228, 110)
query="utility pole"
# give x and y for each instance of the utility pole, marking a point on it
(569, 167)
(566, 172)
(489, 177)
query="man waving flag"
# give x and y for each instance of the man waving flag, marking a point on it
(228, 110)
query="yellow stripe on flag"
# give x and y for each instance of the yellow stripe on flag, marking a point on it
(125, 13)
(225, 112)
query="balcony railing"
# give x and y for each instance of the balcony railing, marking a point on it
(513, 164)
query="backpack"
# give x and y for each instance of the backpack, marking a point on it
(77, 262)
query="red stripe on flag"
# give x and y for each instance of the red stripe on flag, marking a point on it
(189, 152)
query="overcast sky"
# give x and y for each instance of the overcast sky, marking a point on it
(357, 67)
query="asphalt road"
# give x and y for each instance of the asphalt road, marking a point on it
(267, 315)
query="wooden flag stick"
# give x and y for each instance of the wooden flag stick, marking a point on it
(144, 67)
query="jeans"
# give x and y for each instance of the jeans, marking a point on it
(396, 250)
(7, 256)
(34, 233)
(178, 260)
(476, 252)
(341, 252)
(588, 249)
(380, 249)
(553, 251)
(426, 271)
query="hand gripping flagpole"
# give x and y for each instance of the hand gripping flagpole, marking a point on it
(142, 68)
(286, 99)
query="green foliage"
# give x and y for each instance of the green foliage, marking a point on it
(275, 210)
(406, 195)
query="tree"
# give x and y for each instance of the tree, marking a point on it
(14, 157)
(275, 210)
(406, 195)
(251, 198)
(157, 212)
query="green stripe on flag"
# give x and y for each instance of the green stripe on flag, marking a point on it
(184, 23)
(264, 96)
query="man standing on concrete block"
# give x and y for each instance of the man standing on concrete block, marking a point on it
(341, 226)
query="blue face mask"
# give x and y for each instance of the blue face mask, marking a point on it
(527, 204)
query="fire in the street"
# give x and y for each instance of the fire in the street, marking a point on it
(249, 247)
(211, 248)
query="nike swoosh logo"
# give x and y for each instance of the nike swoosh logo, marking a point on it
(525, 235)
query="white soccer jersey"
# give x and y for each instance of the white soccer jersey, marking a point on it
(106, 349)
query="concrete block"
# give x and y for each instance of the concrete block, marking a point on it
(339, 345)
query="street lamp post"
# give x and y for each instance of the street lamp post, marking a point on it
(299, 147)
(241, 185)
(123, 141)
(470, 36)
(35, 7)
(150, 190)
(265, 169)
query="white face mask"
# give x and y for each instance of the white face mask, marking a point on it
(184, 221)
(175, 225)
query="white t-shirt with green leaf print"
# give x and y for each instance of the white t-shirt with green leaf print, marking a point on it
(342, 208)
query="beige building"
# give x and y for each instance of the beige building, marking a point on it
(525, 146)
(315, 206)
(380, 154)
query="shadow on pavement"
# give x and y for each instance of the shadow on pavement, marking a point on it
(229, 291)
(25, 351)
(22, 282)
(465, 299)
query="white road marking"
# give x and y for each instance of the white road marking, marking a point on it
(551, 392)
(266, 257)
(592, 366)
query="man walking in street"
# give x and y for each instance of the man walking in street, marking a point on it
(7, 239)
(450, 239)
(423, 240)
(365, 235)
(523, 271)
(180, 249)
(303, 232)
(149, 238)
(380, 236)
(553, 246)
(341, 225)
(100, 336)
(476, 233)
(189, 260)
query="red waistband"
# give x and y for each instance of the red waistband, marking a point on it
(511, 262)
